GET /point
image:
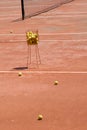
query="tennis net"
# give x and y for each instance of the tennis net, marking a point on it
(36, 7)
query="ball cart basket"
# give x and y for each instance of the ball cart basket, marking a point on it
(32, 40)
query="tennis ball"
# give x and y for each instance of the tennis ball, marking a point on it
(20, 74)
(40, 117)
(56, 82)
(30, 32)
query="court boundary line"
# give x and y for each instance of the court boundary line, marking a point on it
(46, 17)
(62, 12)
(52, 13)
(44, 72)
(9, 1)
(16, 6)
(1, 15)
(60, 15)
(51, 33)
(6, 7)
(13, 41)
(16, 1)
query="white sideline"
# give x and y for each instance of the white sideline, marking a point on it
(51, 33)
(18, 1)
(9, 15)
(69, 12)
(12, 7)
(9, 1)
(46, 17)
(61, 15)
(13, 41)
(67, 40)
(51, 13)
(44, 72)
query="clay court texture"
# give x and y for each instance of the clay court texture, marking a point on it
(63, 51)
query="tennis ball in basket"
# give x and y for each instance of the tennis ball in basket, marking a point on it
(20, 74)
(40, 117)
(56, 82)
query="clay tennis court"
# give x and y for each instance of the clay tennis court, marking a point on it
(63, 52)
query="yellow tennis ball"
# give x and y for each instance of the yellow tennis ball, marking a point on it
(33, 36)
(20, 74)
(40, 117)
(30, 32)
(56, 82)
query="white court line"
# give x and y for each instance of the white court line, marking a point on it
(73, 4)
(61, 40)
(51, 34)
(45, 17)
(1, 15)
(52, 13)
(62, 12)
(9, 1)
(45, 72)
(53, 40)
(74, 12)
(41, 5)
(16, 1)
(60, 16)
(59, 13)
(10, 7)
(27, 6)
(30, 1)
(69, 33)
(10, 18)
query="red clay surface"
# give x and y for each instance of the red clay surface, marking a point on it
(63, 37)
(63, 107)
(63, 51)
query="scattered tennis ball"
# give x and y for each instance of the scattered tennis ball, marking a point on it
(40, 117)
(56, 82)
(20, 74)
